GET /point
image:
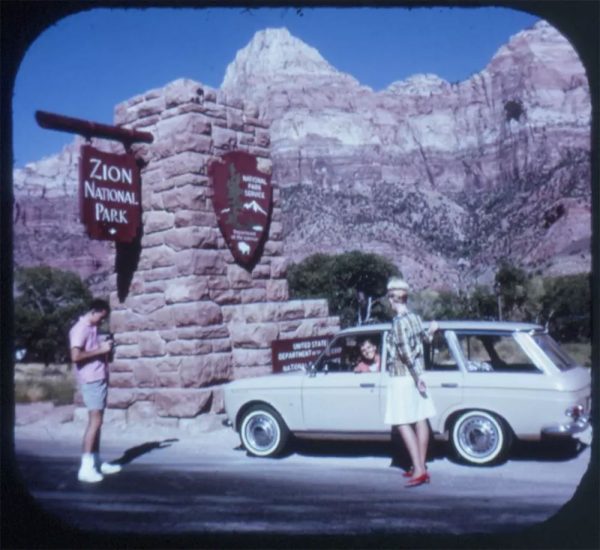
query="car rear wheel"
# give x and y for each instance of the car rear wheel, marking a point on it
(263, 432)
(480, 437)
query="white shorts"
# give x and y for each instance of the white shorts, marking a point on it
(404, 403)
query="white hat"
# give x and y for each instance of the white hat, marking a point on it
(396, 283)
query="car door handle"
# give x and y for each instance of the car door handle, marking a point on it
(367, 385)
(448, 385)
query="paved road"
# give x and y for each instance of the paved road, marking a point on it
(184, 486)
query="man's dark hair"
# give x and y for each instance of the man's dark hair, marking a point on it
(100, 305)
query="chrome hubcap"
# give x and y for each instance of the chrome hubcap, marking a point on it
(261, 432)
(479, 437)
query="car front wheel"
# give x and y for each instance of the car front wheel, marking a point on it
(480, 437)
(263, 432)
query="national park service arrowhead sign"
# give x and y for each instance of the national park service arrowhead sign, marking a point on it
(242, 198)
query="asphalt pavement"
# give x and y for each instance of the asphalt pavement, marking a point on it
(197, 487)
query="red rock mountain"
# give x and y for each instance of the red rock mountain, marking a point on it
(443, 178)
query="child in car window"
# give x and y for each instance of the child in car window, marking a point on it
(370, 360)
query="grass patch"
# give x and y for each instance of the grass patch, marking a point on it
(35, 382)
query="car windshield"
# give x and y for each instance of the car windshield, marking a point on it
(553, 350)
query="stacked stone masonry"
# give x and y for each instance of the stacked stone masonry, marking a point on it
(193, 319)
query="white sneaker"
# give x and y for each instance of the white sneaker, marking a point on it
(89, 475)
(108, 468)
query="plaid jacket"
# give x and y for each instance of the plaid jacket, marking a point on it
(405, 345)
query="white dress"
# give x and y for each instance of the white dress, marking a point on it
(404, 403)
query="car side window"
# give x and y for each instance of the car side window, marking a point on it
(345, 354)
(438, 356)
(494, 353)
(337, 357)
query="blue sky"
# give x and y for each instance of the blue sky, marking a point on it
(88, 62)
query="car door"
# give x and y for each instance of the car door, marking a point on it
(502, 376)
(444, 376)
(335, 398)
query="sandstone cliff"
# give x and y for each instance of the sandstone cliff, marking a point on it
(47, 229)
(443, 178)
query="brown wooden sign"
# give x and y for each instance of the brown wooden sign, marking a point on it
(242, 199)
(296, 353)
(109, 195)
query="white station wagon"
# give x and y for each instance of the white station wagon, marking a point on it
(490, 382)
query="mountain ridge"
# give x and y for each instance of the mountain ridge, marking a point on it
(445, 179)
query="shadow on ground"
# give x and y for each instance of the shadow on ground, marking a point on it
(396, 453)
(135, 452)
(539, 451)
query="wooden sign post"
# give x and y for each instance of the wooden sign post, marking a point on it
(109, 184)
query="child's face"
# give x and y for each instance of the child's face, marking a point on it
(368, 350)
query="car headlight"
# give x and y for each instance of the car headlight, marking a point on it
(575, 411)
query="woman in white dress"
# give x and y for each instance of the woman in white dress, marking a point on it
(408, 406)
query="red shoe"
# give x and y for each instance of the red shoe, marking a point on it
(409, 472)
(416, 481)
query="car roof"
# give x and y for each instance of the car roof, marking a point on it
(508, 326)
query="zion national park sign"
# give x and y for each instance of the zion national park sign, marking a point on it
(242, 198)
(109, 195)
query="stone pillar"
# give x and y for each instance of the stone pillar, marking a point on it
(193, 319)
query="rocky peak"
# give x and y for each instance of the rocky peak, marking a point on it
(540, 51)
(280, 73)
(542, 40)
(275, 55)
(418, 84)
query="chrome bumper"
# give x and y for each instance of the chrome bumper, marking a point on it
(574, 427)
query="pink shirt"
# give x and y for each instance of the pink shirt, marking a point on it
(84, 335)
(363, 366)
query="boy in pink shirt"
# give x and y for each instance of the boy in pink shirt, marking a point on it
(91, 359)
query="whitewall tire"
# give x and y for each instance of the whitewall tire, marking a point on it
(481, 438)
(263, 432)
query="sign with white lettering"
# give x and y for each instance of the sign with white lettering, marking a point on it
(242, 198)
(109, 195)
(297, 353)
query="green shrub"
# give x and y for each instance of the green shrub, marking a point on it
(347, 281)
(47, 303)
(562, 302)
(567, 303)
